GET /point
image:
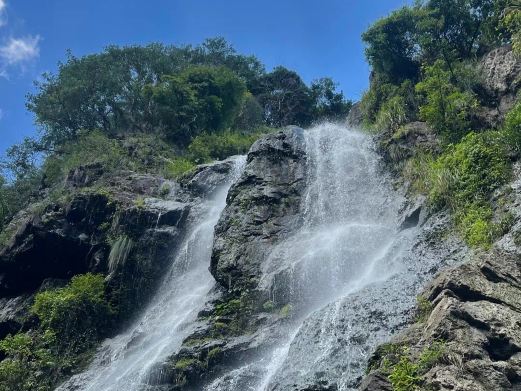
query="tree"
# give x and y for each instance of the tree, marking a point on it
(512, 22)
(105, 91)
(447, 108)
(392, 47)
(285, 98)
(454, 29)
(327, 101)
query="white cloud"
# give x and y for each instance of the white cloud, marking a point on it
(20, 50)
(3, 14)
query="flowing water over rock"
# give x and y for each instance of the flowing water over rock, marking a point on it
(350, 273)
(127, 362)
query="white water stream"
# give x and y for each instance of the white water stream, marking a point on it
(349, 242)
(126, 361)
(344, 272)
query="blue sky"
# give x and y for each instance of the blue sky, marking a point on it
(314, 37)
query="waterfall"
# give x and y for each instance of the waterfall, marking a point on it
(127, 361)
(344, 271)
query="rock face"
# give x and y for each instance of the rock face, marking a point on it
(262, 209)
(125, 226)
(412, 138)
(501, 73)
(476, 312)
(473, 312)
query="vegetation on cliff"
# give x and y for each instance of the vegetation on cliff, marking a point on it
(425, 62)
(191, 104)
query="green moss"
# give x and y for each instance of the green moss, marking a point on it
(423, 309)
(78, 314)
(268, 306)
(213, 353)
(139, 202)
(286, 311)
(175, 168)
(228, 308)
(185, 363)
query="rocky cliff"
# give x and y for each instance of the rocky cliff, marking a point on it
(466, 332)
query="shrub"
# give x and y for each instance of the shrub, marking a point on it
(176, 167)
(512, 128)
(475, 225)
(31, 363)
(447, 108)
(464, 177)
(406, 375)
(207, 147)
(469, 171)
(78, 314)
(392, 114)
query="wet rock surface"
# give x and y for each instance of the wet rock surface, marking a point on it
(262, 209)
(124, 226)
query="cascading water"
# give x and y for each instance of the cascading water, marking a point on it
(345, 271)
(126, 362)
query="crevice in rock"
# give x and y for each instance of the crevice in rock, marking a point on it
(500, 348)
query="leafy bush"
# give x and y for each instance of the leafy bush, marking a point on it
(512, 22)
(512, 128)
(207, 147)
(388, 105)
(78, 314)
(406, 375)
(31, 363)
(464, 177)
(176, 167)
(447, 109)
(469, 171)
(89, 147)
(475, 225)
(392, 114)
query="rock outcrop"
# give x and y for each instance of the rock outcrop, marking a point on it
(474, 313)
(262, 209)
(125, 226)
(501, 75)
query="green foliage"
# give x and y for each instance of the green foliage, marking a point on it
(230, 307)
(32, 362)
(208, 147)
(423, 309)
(88, 148)
(416, 172)
(72, 320)
(175, 168)
(475, 225)
(447, 109)
(406, 375)
(512, 128)
(77, 314)
(328, 103)
(464, 177)
(185, 363)
(285, 98)
(392, 46)
(213, 353)
(392, 114)
(388, 105)
(200, 98)
(268, 306)
(468, 172)
(286, 311)
(512, 22)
